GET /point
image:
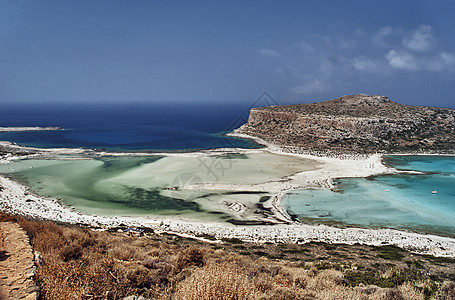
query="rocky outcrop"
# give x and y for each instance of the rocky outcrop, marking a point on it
(355, 124)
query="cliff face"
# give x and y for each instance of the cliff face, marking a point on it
(355, 124)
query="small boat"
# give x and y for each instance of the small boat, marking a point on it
(434, 191)
(386, 190)
(307, 204)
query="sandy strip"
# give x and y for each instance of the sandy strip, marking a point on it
(15, 199)
(37, 128)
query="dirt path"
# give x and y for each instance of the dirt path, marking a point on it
(17, 267)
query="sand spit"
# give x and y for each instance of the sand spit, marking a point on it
(16, 129)
(16, 199)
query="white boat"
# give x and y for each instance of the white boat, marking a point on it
(434, 191)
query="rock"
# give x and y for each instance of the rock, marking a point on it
(32, 296)
(133, 297)
(353, 124)
(39, 259)
(32, 289)
(31, 272)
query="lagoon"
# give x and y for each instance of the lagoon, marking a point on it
(402, 201)
(195, 187)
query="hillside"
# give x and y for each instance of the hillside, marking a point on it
(355, 124)
(76, 263)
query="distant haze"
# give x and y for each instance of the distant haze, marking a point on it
(110, 51)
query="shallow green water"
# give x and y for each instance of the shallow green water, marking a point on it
(145, 185)
(77, 183)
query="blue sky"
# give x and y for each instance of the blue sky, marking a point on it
(226, 51)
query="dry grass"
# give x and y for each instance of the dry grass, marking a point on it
(217, 282)
(85, 264)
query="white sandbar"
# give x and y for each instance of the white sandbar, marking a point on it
(298, 171)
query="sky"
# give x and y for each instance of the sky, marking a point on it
(110, 51)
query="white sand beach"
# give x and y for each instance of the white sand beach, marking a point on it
(281, 172)
(36, 128)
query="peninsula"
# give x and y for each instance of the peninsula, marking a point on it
(356, 124)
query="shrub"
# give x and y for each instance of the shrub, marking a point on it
(283, 293)
(191, 256)
(448, 290)
(124, 252)
(390, 252)
(409, 292)
(139, 276)
(216, 282)
(71, 252)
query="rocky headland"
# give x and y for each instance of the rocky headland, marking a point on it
(357, 124)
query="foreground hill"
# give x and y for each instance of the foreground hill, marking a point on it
(355, 124)
(76, 263)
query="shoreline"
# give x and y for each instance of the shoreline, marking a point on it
(16, 199)
(20, 202)
(25, 128)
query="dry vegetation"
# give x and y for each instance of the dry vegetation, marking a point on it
(86, 264)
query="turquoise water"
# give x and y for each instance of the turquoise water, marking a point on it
(77, 183)
(150, 185)
(395, 201)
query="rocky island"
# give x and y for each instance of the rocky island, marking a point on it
(357, 124)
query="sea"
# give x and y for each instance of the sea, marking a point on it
(128, 127)
(417, 202)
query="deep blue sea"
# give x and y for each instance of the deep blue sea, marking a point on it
(127, 126)
(396, 201)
